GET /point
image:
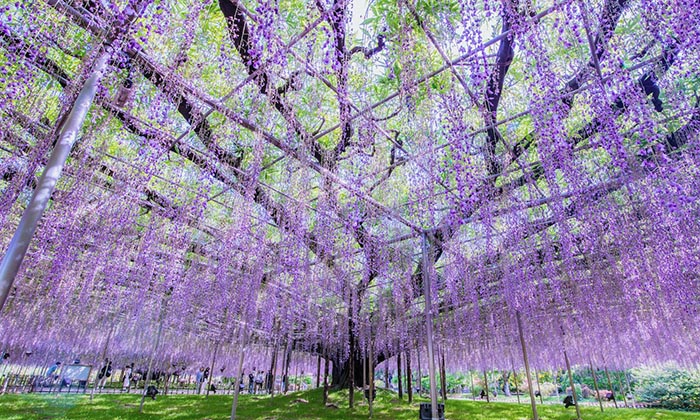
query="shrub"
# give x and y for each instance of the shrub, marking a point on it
(668, 387)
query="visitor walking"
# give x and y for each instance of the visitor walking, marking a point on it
(104, 373)
(199, 379)
(126, 378)
(4, 361)
(259, 379)
(51, 374)
(251, 381)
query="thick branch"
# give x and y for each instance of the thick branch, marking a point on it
(239, 32)
(369, 52)
(494, 89)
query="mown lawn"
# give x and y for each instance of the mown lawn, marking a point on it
(218, 407)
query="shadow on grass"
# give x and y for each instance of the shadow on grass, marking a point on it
(218, 407)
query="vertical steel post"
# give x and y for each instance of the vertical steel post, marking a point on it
(409, 376)
(539, 391)
(471, 379)
(515, 378)
(427, 262)
(371, 378)
(610, 385)
(595, 385)
(364, 372)
(155, 349)
(533, 402)
(573, 388)
(325, 380)
(629, 390)
(622, 390)
(104, 356)
(12, 260)
(237, 390)
(211, 369)
(420, 375)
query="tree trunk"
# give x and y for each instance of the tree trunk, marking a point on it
(325, 382)
(270, 380)
(340, 378)
(409, 378)
(443, 377)
(420, 375)
(285, 371)
(386, 376)
(506, 384)
(486, 387)
(398, 374)
(318, 372)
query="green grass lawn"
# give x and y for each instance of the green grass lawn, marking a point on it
(215, 407)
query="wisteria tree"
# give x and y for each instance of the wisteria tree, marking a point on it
(263, 174)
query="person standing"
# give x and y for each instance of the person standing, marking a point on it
(51, 373)
(199, 379)
(126, 381)
(104, 373)
(251, 381)
(259, 379)
(6, 366)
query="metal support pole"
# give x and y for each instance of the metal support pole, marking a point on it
(409, 376)
(371, 379)
(610, 385)
(573, 388)
(325, 380)
(150, 361)
(297, 379)
(426, 265)
(364, 373)
(622, 390)
(420, 375)
(595, 385)
(238, 387)
(211, 370)
(12, 260)
(533, 402)
(270, 380)
(104, 357)
(515, 379)
(539, 391)
(471, 379)
(351, 359)
(629, 390)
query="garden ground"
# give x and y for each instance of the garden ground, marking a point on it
(288, 407)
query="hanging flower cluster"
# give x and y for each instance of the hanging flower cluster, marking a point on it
(258, 174)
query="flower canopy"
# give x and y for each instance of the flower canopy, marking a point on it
(264, 172)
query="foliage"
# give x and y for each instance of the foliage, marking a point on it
(668, 387)
(228, 179)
